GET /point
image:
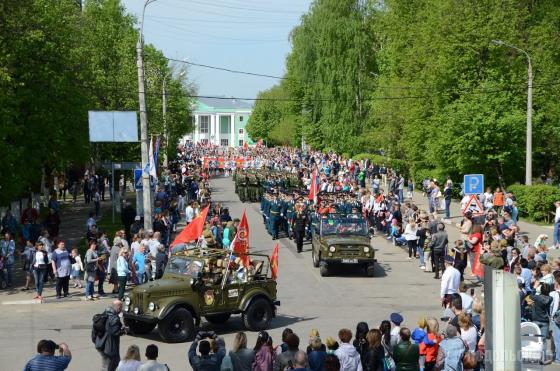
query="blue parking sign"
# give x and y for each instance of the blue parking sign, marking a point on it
(138, 179)
(474, 184)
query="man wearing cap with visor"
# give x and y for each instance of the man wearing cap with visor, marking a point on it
(396, 320)
(451, 278)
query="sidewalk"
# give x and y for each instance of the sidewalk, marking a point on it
(73, 219)
(533, 230)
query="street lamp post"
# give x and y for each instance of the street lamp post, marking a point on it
(529, 141)
(146, 190)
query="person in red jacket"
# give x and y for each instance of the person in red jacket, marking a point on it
(430, 351)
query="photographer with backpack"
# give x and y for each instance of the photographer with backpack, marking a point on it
(105, 334)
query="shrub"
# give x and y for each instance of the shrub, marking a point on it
(535, 201)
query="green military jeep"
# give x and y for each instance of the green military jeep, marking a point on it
(342, 240)
(201, 283)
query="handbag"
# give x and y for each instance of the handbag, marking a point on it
(469, 359)
(388, 361)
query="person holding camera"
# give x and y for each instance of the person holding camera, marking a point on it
(46, 360)
(108, 336)
(206, 361)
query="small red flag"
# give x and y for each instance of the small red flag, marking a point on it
(194, 230)
(274, 261)
(240, 244)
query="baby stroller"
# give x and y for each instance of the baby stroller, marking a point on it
(532, 344)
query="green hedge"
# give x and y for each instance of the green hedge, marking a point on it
(535, 201)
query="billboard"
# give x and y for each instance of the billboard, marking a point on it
(113, 126)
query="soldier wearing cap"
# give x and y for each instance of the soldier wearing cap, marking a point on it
(298, 224)
(275, 210)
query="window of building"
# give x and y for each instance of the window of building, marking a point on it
(240, 142)
(225, 122)
(241, 132)
(241, 118)
(204, 141)
(204, 124)
(224, 142)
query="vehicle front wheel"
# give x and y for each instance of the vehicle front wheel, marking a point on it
(218, 318)
(370, 270)
(324, 270)
(177, 326)
(138, 327)
(258, 316)
(315, 258)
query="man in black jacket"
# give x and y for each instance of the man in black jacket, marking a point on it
(108, 344)
(299, 222)
(127, 217)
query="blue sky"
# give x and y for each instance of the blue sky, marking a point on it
(247, 35)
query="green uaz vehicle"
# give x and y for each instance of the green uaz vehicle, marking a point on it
(203, 283)
(342, 240)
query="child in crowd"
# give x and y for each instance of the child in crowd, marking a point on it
(420, 336)
(77, 268)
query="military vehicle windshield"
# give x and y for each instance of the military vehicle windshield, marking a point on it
(183, 265)
(335, 225)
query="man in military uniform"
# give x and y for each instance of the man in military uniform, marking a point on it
(242, 186)
(275, 210)
(299, 223)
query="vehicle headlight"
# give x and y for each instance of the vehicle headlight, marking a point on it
(332, 248)
(366, 249)
(127, 300)
(151, 306)
(126, 308)
(136, 310)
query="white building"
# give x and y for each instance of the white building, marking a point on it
(220, 122)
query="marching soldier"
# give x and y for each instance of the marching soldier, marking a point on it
(275, 209)
(299, 223)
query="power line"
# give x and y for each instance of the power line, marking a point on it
(481, 91)
(215, 36)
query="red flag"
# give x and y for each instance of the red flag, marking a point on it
(240, 243)
(274, 261)
(314, 189)
(194, 230)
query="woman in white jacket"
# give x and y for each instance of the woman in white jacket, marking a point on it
(411, 237)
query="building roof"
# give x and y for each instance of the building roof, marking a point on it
(218, 104)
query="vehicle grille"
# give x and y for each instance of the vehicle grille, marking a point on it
(350, 251)
(138, 300)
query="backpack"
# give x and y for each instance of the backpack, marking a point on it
(99, 326)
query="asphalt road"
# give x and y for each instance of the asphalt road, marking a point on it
(307, 301)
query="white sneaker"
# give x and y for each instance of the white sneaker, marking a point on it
(423, 267)
(409, 258)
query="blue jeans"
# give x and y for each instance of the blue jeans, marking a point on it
(89, 288)
(556, 232)
(447, 208)
(401, 195)
(10, 274)
(420, 252)
(556, 337)
(39, 275)
(544, 332)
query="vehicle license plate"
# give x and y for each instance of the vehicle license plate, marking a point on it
(349, 261)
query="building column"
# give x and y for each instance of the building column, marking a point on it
(195, 133)
(212, 130)
(217, 129)
(232, 134)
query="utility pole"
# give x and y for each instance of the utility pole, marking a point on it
(529, 140)
(164, 109)
(146, 186)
